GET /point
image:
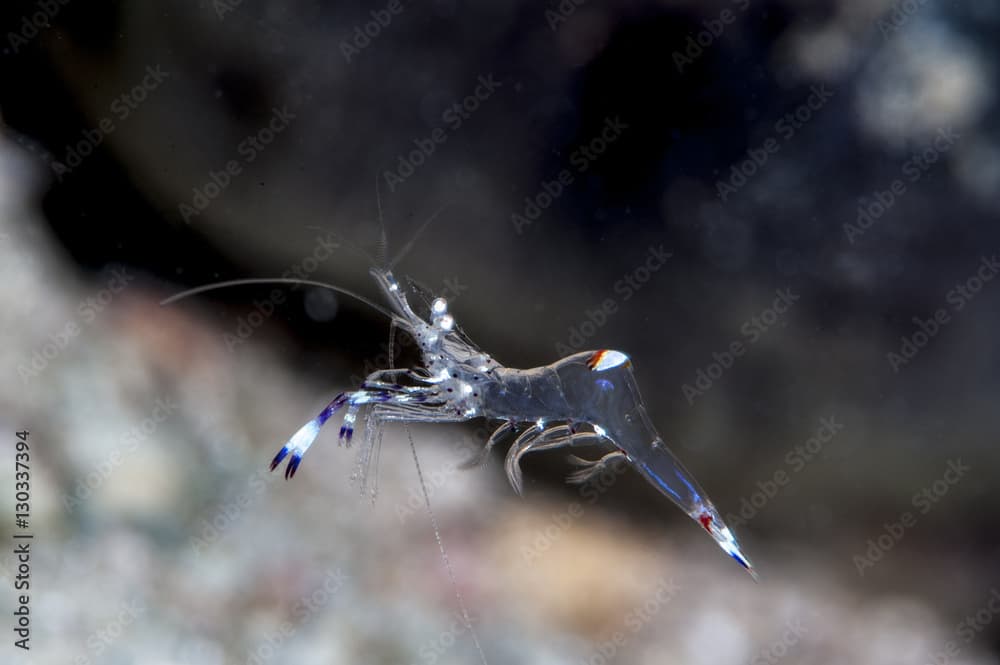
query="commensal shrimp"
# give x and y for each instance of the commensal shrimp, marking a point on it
(586, 398)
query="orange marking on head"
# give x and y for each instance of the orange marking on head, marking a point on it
(595, 358)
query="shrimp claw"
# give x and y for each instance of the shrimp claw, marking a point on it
(301, 440)
(513, 462)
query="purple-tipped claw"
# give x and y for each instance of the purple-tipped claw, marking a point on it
(293, 465)
(297, 446)
(280, 456)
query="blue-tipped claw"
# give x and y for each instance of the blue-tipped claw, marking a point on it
(293, 465)
(280, 456)
(297, 447)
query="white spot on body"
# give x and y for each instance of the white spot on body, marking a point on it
(610, 359)
(302, 439)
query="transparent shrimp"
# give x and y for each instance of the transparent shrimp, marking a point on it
(584, 398)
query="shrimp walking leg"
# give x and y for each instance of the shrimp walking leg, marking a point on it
(368, 455)
(512, 463)
(393, 411)
(593, 468)
(397, 410)
(372, 392)
(492, 441)
(389, 379)
(537, 439)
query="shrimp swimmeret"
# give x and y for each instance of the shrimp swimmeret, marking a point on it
(586, 398)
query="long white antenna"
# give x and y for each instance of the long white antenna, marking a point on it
(409, 245)
(383, 243)
(275, 280)
(434, 525)
(444, 554)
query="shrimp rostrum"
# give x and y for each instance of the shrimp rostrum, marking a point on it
(590, 397)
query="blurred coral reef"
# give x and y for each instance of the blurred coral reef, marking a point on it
(822, 178)
(162, 539)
